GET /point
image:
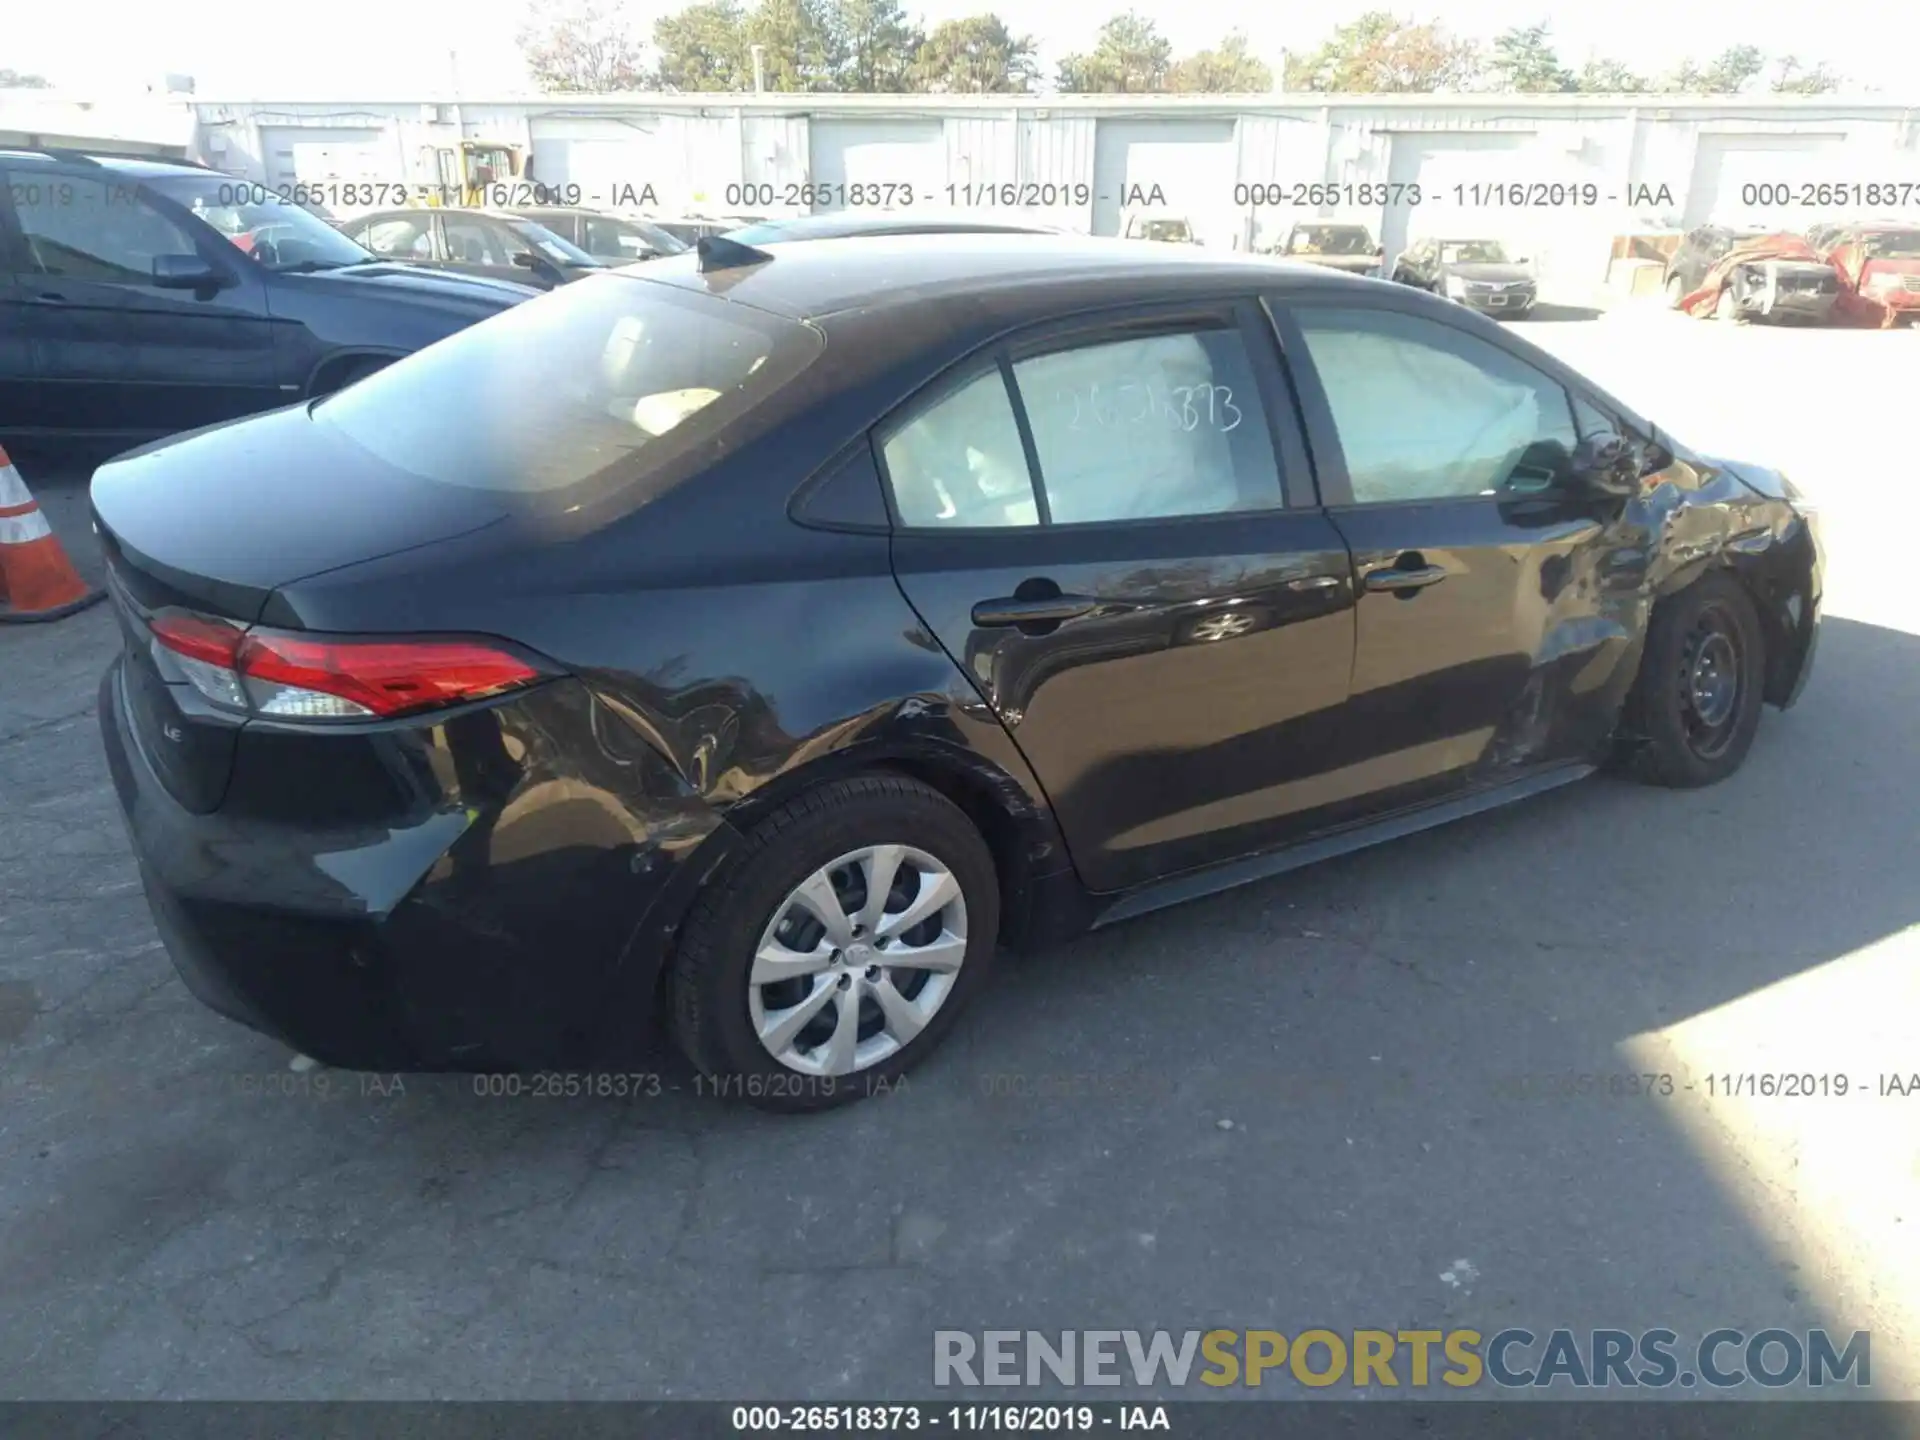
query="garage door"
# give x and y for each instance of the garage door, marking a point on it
(662, 163)
(311, 153)
(1438, 163)
(1725, 166)
(1192, 162)
(879, 152)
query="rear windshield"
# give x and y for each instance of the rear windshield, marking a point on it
(611, 378)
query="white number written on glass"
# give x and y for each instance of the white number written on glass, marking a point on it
(1183, 407)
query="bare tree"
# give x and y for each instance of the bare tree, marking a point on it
(582, 46)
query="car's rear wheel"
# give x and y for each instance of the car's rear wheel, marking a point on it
(840, 946)
(1724, 308)
(1695, 706)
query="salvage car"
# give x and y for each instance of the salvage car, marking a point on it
(1480, 274)
(139, 298)
(756, 640)
(496, 244)
(611, 239)
(1700, 249)
(1881, 263)
(1351, 248)
(1777, 277)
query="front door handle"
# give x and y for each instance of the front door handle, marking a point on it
(47, 297)
(1043, 610)
(1388, 578)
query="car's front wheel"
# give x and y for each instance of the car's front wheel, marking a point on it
(1695, 706)
(1676, 291)
(838, 948)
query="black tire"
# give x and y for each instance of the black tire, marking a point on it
(1673, 738)
(714, 958)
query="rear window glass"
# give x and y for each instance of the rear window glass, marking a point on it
(610, 376)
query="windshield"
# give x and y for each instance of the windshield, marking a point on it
(266, 229)
(1330, 240)
(1894, 245)
(559, 251)
(650, 237)
(1474, 252)
(1174, 231)
(579, 384)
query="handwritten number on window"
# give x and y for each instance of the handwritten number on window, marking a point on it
(1183, 407)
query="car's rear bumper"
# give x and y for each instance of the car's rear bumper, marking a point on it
(511, 925)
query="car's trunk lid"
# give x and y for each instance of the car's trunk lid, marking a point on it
(214, 523)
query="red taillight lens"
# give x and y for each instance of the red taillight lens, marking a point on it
(303, 677)
(213, 642)
(385, 677)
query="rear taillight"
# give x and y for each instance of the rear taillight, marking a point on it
(303, 677)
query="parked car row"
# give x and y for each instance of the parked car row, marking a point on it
(1855, 270)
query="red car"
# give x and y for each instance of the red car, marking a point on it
(1882, 265)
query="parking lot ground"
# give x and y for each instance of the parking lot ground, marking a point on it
(1341, 1098)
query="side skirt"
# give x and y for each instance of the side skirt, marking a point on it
(1195, 884)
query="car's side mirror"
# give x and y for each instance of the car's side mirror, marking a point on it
(1607, 465)
(1379, 252)
(526, 260)
(186, 272)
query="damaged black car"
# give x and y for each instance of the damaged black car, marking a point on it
(803, 625)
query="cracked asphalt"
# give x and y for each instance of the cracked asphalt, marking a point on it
(1330, 1099)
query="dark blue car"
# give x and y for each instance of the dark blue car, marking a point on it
(139, 299)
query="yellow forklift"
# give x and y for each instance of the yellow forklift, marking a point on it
(465, 175)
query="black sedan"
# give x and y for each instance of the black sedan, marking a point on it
(758, 639)
(496, 244)
(1480, 274)
(150, 298)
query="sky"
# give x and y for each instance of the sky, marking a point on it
(437, 48)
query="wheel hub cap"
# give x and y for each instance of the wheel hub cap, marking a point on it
(857, 960)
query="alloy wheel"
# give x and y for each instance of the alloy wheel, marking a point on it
(857, 960)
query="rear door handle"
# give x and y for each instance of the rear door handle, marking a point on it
(1047, 609)
(1388, 578)
(47, 297)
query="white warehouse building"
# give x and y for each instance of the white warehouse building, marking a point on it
(1556, 176)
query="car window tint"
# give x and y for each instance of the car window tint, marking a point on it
(1426, 412)
(398, 237)
(474, 242)
(1143, 428)
(959, 462)
(94, 230)
(605, 378)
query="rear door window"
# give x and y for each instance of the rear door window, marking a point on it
(610, 376)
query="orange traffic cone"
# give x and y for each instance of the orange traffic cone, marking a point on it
(37, 581)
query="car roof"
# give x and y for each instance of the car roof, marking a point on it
(119, 164)
(849, 224)
(878, 274)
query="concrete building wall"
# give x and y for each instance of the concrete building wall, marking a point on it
(1558, 176)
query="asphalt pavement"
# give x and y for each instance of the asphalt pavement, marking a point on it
(1342, 1098)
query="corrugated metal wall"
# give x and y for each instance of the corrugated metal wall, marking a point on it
(1657, 165)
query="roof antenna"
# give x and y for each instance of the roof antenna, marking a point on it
(719, 253)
